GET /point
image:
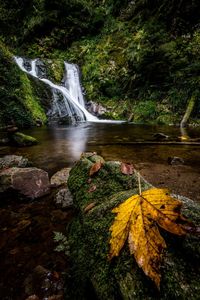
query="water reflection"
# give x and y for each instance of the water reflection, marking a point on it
(71, 140)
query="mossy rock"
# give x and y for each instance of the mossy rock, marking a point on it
(21, 140)
(89, 241)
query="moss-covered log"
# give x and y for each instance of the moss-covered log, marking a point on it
(89, 236)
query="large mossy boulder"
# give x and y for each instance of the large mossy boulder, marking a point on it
(94, 197)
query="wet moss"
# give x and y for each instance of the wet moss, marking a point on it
(21, 140)
(19, 98)
(30, 100)
(54, 69)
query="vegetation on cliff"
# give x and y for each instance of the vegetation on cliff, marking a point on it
(138, 58)
(20, 102)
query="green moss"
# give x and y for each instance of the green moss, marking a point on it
(22, 140)
(55, 69)
(30, 100)
(18, 94)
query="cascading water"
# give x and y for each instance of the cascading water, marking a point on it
(68, 100)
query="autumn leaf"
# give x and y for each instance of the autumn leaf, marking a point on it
(95, 168)
(127, 169)
(92, 189)
(137, 221)
(89, 207)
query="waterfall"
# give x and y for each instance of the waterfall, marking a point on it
(68, 99)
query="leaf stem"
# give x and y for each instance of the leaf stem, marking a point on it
(139, 183)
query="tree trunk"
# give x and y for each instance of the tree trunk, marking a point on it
(188, 112)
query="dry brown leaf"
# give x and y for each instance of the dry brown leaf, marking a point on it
(89, 207)
(137, 221)
(92, 189)
(89, 180)
(95, 168)
(127, 169)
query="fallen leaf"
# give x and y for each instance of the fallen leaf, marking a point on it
(127, 169)
(56, 275)
(95, 168)
(137, 221)
(14, 251)
(89, 180)
(89, 207)
(92, 188)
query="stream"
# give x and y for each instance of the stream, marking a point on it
(30, 267)
(61, 146)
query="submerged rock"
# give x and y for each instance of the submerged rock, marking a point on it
(89, 241)
(9, 161)
(30, 182)
(21, 140)
(159, 136)
(60, 177)
(175, 160)
(46, 282)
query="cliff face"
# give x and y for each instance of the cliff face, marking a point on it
(138, 58)
(21, 97)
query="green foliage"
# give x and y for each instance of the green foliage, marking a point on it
(132, 53)
(19, 102)
(63, 244)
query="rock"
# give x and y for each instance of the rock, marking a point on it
(96, 108)
(64, 199)
(30, 182)
(9, 161)
(89, 242)
(12, 128)
(160, 136)
(46, 282)
(4, 141)
(60, 177)
(33, 297)
(175, 160)
(21, 140)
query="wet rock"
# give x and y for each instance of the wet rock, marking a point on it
(96, 108)
(59, 216)
(89, 242)
(175, 160)
(64, 199)
(30, 182)
(55, 297)
(21, 140)
(159, 136)
(11, 128)
(46, 283)
(60, 177)
(67, 120)
(33, 297)
(4, 141)
(9, 161)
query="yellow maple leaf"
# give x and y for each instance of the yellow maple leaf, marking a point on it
(137, 221)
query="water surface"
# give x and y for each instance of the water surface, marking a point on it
(62, 146)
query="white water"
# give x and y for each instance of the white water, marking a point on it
(68, 99)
